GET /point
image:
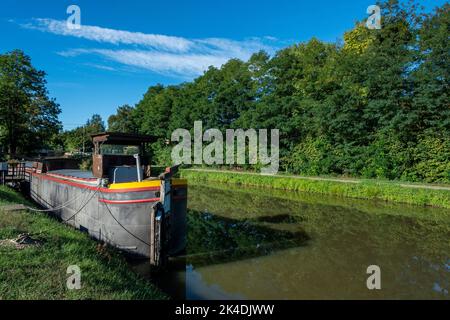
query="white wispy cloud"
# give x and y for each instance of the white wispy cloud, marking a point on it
(169, 55)
(180, 65)
(100, 66)
(112, 36)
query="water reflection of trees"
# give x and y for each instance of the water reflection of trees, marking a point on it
(215, 239)
(345, 236)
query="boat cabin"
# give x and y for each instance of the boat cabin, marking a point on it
(120, 157)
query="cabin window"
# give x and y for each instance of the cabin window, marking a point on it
(118, 150)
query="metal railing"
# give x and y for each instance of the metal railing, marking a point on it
(12, 172)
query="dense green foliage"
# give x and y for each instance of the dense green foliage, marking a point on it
(123, 121)
(28, 117)
(363, 189)
(39, 272)
(374, 106)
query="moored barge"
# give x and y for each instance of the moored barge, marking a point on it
(120, 202)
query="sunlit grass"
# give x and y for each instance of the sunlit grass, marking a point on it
(365, 189)
(39, 272)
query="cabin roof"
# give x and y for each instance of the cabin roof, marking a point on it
(122, 138)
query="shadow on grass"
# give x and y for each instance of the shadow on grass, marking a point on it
(9, 196)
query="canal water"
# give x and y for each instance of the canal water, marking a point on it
(267, 244)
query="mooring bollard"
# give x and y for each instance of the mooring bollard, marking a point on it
(160, 220)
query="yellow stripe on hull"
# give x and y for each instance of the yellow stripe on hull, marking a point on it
(146, 184)
(179, 182)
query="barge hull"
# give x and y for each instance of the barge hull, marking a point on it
(119, 217)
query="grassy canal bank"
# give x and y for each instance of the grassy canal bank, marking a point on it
(415, 194)
(38, 270)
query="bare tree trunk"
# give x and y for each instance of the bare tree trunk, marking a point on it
(12, 143)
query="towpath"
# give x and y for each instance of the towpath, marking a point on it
(342, 180)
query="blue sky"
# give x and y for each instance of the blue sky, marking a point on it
(126, 46)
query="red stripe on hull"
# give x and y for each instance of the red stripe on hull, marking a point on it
(129, 201)
(71, 177)
(84, 186)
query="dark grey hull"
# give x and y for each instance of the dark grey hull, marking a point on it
(120, 218)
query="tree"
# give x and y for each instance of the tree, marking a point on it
(430, 110)
(153, 112)
(123, 121)
(79, 139)
(431, 78)
(28, 117)
(95, 124)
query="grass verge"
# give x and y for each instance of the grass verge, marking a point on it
(364, 189)
(39, 272)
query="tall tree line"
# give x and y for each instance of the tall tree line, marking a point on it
(375, 105)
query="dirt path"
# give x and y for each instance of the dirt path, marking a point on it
(13, 207)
